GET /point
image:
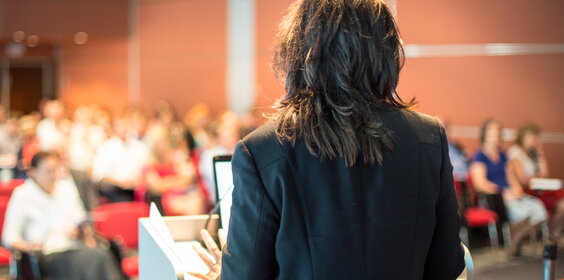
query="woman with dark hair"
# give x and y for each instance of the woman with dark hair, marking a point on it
(492, 176)
(345, 182)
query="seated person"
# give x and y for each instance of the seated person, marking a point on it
(10, 144)
(172, 176)
(527, 160)
(43, 217)
(492, 176)
(118, 163)
(526, 155)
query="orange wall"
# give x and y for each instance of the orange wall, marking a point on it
(183, 53)
(95, 73)
(59, 20)
(467, 90)
(480, 21)
(268, 15)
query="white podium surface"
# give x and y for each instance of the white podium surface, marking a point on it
(163, 258)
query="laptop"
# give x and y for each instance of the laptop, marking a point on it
(223, 187)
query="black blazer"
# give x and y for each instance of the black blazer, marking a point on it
(296, 217)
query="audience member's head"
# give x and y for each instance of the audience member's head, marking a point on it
(55, 110)
(44, 169)
(121, 128)
(164, 112)
(160, 150)
(228, 130)
(11, 127)
(83, 115)
(27, 125)
(490, 133)
(197, 117)
(137, 118)
(528, 136)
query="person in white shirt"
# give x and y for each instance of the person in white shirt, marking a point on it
(526, 155)
(118, 164)
(52, 130)
(527, 160)
(44, 216)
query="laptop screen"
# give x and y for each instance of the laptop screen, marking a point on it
(223, 187)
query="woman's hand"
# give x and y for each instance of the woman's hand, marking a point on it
(214, 266)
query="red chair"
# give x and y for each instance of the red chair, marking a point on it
(118, 222)
(5, 255)
(6, 188)
(475, 217)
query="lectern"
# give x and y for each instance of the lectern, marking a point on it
(165, 248)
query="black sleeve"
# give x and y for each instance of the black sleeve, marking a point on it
(445, 259)
(249, 253)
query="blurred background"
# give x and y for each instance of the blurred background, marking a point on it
(113, 53)
(205, 65)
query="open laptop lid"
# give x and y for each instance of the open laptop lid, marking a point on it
(223, 187)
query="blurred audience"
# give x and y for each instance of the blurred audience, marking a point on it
(118, 163)
(44, 217)
(53, 129)
(80, 151)
(171, 177)
(10, 145)
(29, 142)
(163, 160)
(527, 161)
(196, 120)
(491, 175)
(223, 135)
(526, 155)
(458, 157)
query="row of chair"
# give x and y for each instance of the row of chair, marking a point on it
(116, 222)
(475, 213)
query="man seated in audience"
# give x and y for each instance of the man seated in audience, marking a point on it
(118, 164)
(44, 217)
(10, 145)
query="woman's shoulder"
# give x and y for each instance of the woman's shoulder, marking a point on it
(410, 117)
(515, 151)
(263, 144)
(264, 135)
(479, 155)
(415, 125)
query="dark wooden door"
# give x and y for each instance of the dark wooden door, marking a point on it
(26, 88)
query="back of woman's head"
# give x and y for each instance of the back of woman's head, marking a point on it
(340, 61)
(524, 130)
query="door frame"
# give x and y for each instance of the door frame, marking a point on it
(48, 79)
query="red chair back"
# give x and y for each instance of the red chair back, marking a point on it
(5, 255)
(118, 221)
(3, 205)
(6, 188)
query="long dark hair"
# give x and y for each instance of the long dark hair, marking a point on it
(340, 61)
